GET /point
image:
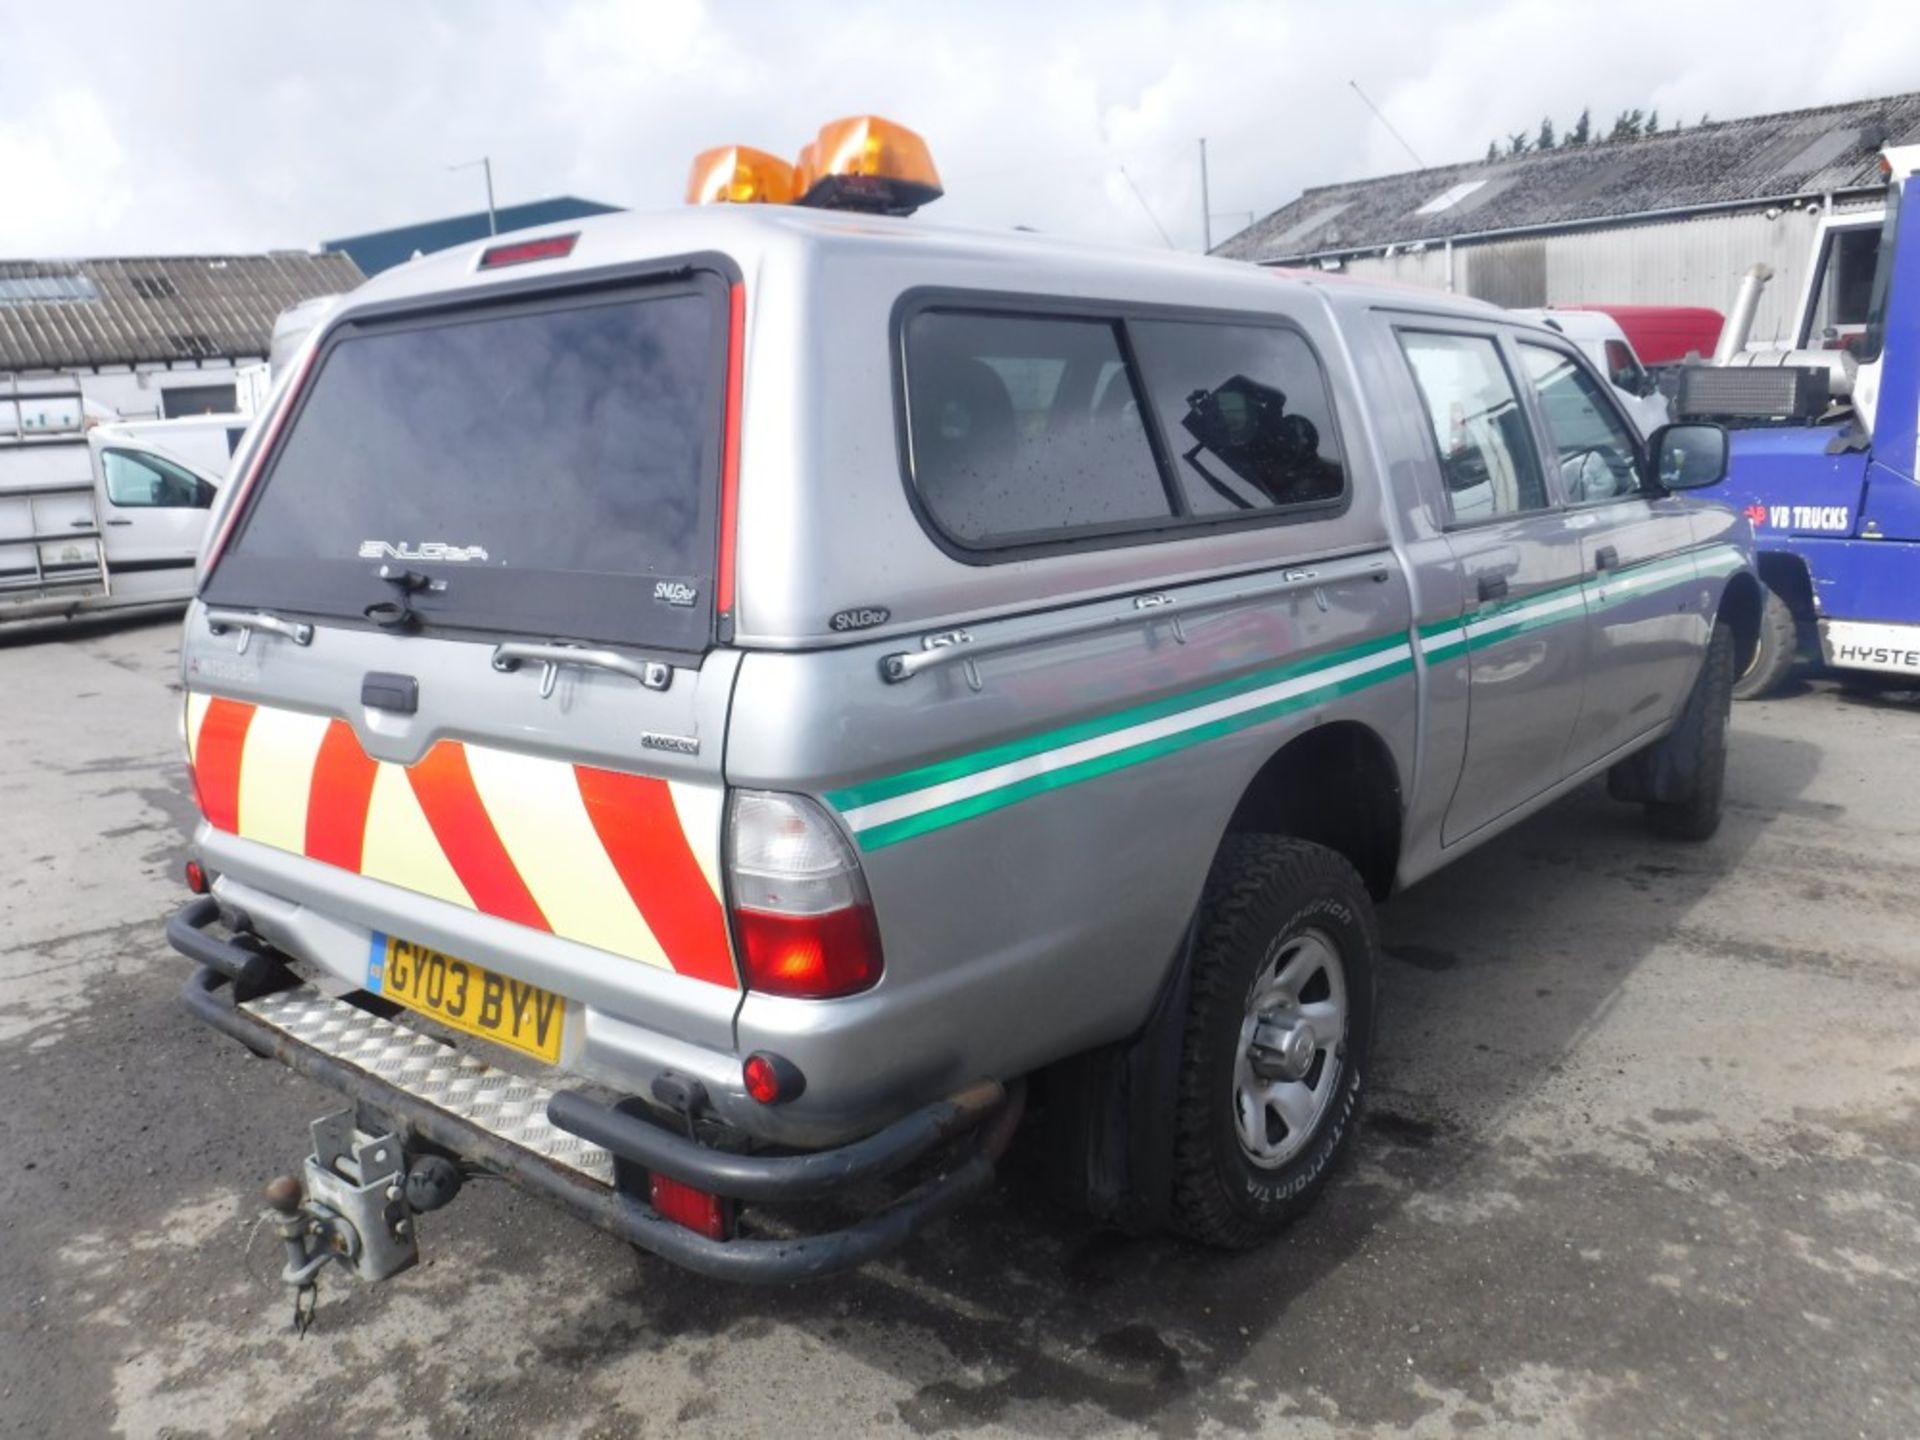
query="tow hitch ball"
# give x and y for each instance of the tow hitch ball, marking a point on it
(354, 1203)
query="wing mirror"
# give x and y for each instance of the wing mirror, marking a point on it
(1688, 456)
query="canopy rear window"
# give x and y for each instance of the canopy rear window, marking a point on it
(549, 468)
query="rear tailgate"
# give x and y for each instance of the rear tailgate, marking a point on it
(539, 472)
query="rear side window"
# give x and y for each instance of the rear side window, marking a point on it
(551, 469)
(1487, 461)
(1023, 428)
(1246, 412)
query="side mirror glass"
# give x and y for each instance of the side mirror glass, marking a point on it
(1688, 456)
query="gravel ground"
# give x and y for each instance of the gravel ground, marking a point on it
(1642, 1158)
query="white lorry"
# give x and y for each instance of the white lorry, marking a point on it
(91, 517)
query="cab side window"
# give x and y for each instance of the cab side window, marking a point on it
(148, 481)
(1595, 446)
(1024, 428)
(1487, 461)
(1246, 413)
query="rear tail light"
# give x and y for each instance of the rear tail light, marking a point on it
(695, 1210)
(802, 920)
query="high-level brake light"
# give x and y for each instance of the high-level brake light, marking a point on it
(860, 163)
(739, 175)
(523, 252)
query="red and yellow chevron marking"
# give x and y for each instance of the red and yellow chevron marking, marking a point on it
(625, 863)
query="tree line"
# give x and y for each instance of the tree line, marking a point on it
(1627, 125)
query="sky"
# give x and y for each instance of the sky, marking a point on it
(202, 126)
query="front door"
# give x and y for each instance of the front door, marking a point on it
(1644, 633)
(153, 515)
(1518, 557)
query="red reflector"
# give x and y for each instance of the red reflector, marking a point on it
(692, 1209)
(762, 1079)
(553, 247)
(810, 957)
(196, 877)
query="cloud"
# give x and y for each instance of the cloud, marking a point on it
(235, 125)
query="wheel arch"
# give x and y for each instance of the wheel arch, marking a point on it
(1336, 785)
(1788, 577)
(1740, 606)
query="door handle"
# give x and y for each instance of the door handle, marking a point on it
(1493, 587)
(117, 521)
(1606, 558)
(81, 524)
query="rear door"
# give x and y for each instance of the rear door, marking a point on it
(1519, 561)
(153, 515)
(503, 737)
(1642, 603)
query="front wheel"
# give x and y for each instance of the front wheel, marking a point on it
(1773, 654)
(1693, 813)
(1278, 1036)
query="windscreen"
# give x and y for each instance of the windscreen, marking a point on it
(547, 469)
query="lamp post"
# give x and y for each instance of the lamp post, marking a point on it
(485, 162)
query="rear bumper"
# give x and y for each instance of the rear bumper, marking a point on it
(567, 1146)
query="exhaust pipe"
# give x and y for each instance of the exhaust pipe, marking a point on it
(1733, 335)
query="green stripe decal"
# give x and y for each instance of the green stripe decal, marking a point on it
(972, 763)
(893, 808)
(892, 832)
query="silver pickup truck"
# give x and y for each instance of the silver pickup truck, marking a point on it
(702, 710)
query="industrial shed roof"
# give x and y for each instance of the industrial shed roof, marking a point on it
(63, 314)
(1764, 157)
(383, 249)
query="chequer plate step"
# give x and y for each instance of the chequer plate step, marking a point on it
(503, 1104)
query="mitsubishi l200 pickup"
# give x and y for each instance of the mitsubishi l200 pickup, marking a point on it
(701, 710)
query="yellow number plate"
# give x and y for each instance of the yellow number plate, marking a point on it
(468, 997)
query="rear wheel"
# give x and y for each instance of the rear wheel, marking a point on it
(1278, 1034)
(1774, 652)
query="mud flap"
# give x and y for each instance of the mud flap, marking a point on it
(1110, 1115)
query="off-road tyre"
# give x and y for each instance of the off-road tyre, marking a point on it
(1773, 653)
(1702, 732)
(1264, 890)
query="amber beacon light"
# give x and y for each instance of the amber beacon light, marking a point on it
(739, 175)
(860, 163)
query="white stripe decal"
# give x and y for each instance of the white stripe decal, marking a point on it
(1568, 604)
(400, 846)
(1524, 613)
(276, 776)
(197, 703)
(916, 802)
(699, 808)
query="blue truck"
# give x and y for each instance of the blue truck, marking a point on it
(1823, 460)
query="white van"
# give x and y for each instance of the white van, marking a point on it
(1599, 337)
(91, 518)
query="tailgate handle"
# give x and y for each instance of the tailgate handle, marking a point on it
(382, 690)
(654, 674)
(248, 621)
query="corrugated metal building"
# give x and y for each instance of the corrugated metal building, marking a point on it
(154, 337)
(1668, 219)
